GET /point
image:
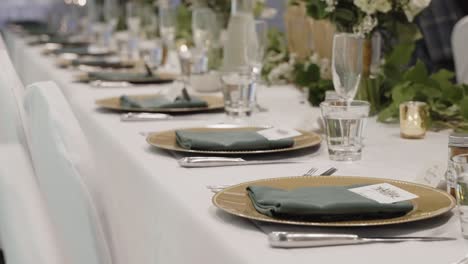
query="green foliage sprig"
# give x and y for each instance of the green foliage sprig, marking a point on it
(448, 102)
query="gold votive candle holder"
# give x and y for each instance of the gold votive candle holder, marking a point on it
(414, 118)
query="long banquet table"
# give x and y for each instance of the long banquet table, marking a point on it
(164, 212)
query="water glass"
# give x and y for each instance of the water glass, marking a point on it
(203, 28)
(133, 17)
(151, 51)
(344, 125)
(460, 168)
(347, 64)
(167, 24)
(239, 93)
(256, 54)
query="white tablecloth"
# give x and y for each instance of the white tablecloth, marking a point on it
(165, 211)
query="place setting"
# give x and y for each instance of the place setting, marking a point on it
(335, 201)
(308, 130)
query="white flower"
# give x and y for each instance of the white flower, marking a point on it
(281, 73)
(268, 13)
(370, 7)
(330, 5)
(366, 26)
(414, 7)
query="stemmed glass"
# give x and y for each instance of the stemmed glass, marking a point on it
(133, 18)
(203, 27)
(256, 53)
(255, 56)
(167, 24)
(347, 64)
(111, 13)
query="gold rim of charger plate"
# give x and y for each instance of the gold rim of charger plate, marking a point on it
(167, 140)
(431, 202)
(113, 103)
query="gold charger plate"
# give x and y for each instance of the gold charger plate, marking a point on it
(113, 103)
(430, 202)
(167, 140)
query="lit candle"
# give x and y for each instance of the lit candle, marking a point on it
(413, 119)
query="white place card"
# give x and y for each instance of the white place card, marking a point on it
(433, 175)
(277, 133)
(384, 193)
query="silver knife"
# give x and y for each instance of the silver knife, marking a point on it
(201, 162)
(144, 116)
(110, 84)
(300, 240)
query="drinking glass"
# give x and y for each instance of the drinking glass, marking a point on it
(256, 54)
(152, 52)
(111, 13)
(133, 17)
(203, 28)
(459, 165)
(344, 125)
(167, 24)
(347, 63)
(238, 91)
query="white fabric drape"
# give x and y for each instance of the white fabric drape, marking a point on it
(64, 168)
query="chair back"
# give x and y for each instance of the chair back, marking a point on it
(64, 167)
(460, 49)
(26, 231)
(11, 94)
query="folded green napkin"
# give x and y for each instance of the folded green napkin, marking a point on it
(137, 78)
(160, 102)
(80, 50)
(325, 203)
(101, 62)
(65, 40)
(228, 141)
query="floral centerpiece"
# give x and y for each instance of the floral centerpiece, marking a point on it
(394, 82)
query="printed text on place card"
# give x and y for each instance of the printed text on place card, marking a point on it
(384, 193)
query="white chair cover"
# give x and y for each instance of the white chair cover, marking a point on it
(26, 230)
(11, 94)
(460, 49)
(64, 167)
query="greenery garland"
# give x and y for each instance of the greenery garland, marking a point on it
(394, 84)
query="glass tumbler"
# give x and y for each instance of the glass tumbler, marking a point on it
(460, 168)
(344, 125)
(239, 93)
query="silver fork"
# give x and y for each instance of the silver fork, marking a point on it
(311, 172)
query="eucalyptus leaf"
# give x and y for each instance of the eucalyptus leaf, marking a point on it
(464, 107)
(316, 9)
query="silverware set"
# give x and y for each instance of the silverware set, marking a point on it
(144, 116)
(203, 162)
(301, 240)
(311, 172)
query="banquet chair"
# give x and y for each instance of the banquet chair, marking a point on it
(460, 50)
(26, 230)
(11, 93)
(64, 167)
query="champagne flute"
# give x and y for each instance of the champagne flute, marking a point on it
(133, 17)
(203, 28)
(167, 24)
(111, 13)
(255, 56)
(347, 64)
